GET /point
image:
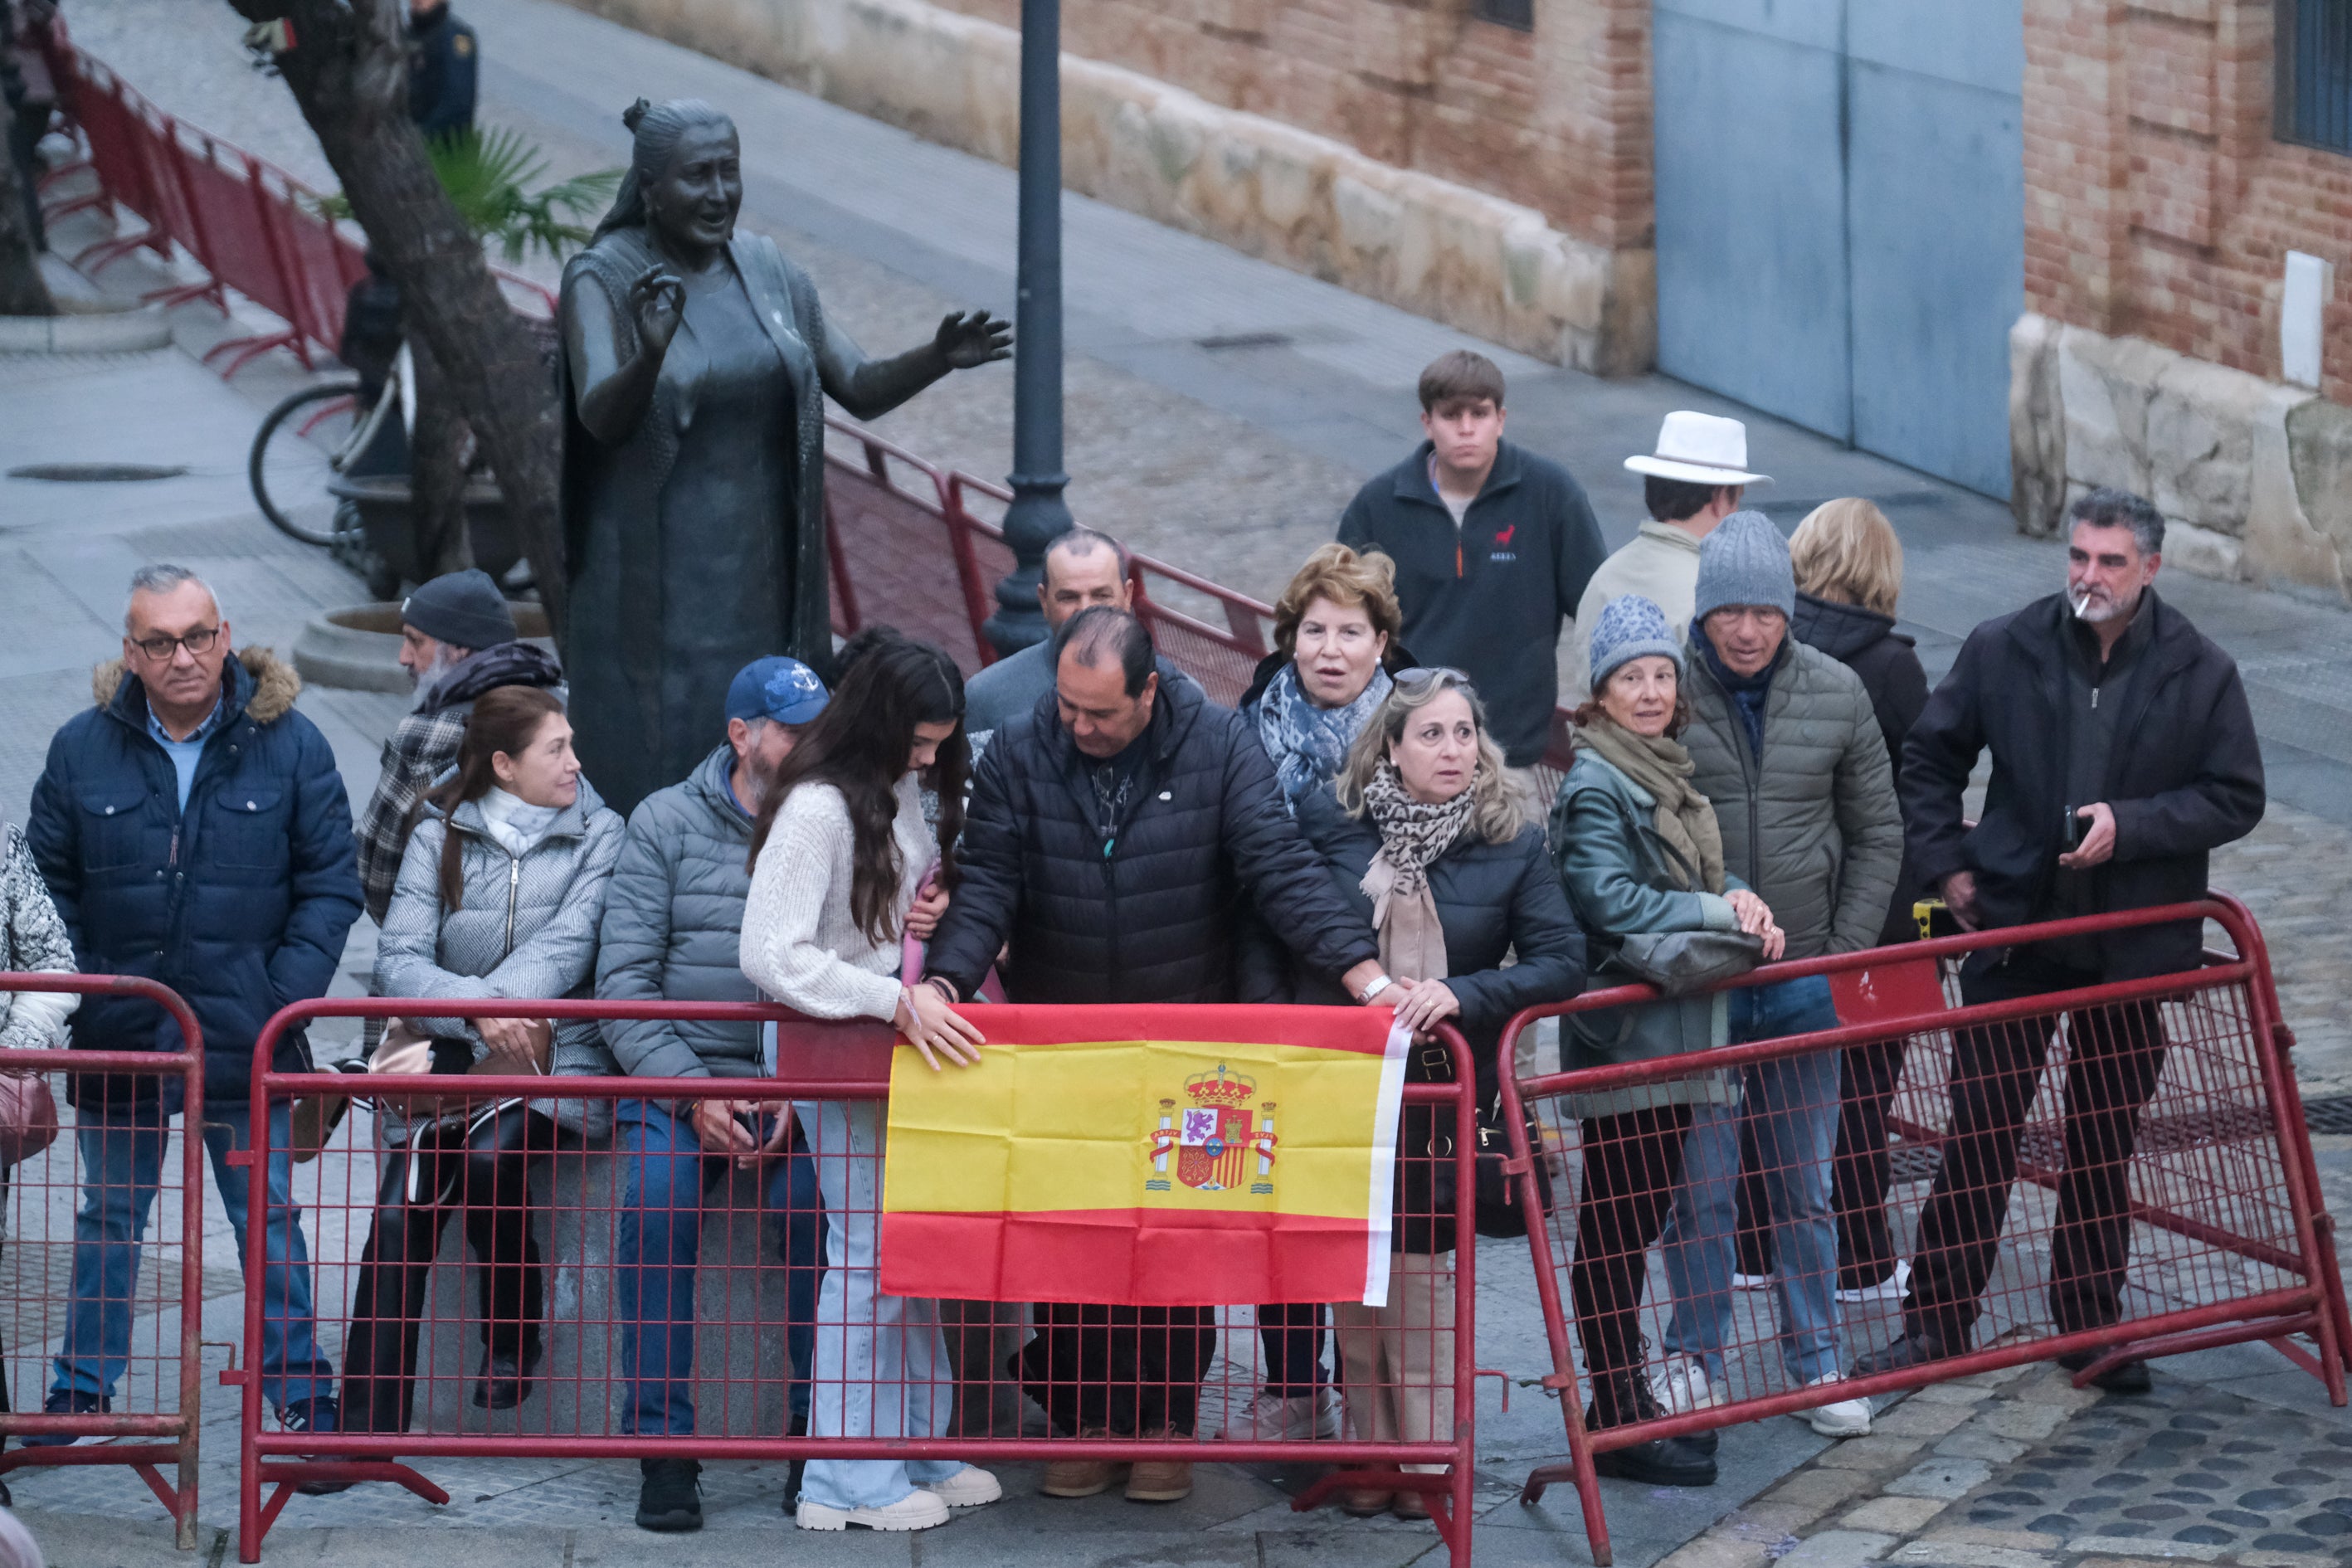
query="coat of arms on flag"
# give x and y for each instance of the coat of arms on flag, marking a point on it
(1131, 1154)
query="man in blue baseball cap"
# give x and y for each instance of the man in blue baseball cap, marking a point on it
(673, 922)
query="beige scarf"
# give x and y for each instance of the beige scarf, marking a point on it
(1413, 834)
(1685, 820)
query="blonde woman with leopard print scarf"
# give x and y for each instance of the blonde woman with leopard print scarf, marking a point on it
(1424, 836)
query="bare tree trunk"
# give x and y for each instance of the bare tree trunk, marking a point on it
(349, 74)
(437, 449)
(22, 290)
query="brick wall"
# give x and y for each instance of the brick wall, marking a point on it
(1558, 118)
(2157, 203)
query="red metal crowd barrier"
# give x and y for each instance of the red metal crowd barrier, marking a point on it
(251, 227)
(150, 1370)
(377, 1210)
(2168, 1199)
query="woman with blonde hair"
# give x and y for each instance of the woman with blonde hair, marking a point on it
(1335, 649)
(1849, 567)
(1426, 838)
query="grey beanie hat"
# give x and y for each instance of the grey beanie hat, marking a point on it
(464, 609)
(1629, 627)
(1745, 562)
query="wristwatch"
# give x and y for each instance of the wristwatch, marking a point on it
(1374, 989)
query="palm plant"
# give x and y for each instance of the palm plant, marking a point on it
(493, 176)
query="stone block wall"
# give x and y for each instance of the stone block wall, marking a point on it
(2159, 210)
(1496, 179)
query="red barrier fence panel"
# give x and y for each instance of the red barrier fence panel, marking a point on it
(122, 1321)
(2119, 1172)
(585, 1288)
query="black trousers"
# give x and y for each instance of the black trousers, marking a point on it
(1292, 1335)
(2113, 1058)
(1632, 1164)
(486, 1174)
(1860, 1172)
(1130, 1371)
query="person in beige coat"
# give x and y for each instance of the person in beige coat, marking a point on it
(1690, 484)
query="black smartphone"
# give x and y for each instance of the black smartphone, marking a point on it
(2070, 835)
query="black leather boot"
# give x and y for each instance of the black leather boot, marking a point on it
(1622, 1397)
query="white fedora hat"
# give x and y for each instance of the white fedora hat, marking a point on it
(1701, 449)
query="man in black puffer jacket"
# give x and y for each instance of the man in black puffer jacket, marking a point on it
(1114, 832)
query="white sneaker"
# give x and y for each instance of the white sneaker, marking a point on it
(1844, 1418)
(1752, 1281)
(968, 1488)
(1278, 1418)
(1680, 1385)
(1890, 1288)
(918, 1509)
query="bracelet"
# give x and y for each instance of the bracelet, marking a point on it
(944, 986)
(1374, 989)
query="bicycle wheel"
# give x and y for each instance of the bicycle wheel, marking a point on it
(296, 452)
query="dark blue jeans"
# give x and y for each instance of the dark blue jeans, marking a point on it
(661, 1244)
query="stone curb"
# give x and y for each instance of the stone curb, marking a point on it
(81, 329)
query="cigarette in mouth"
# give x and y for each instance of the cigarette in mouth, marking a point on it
(2081, 602)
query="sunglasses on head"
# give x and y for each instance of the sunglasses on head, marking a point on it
(1421, 676)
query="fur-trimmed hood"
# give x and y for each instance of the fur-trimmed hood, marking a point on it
(271, 682)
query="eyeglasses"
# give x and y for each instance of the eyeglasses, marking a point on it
(197, 641)
(1418, 676)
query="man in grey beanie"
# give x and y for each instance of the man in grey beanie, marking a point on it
(457, 640)
(1785, 744)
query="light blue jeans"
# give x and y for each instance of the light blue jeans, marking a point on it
(881, 1362)
(1794, 1103)
(122, 1163)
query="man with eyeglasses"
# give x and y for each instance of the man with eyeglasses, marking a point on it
(193, 829)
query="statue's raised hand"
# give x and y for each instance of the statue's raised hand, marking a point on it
(971, 337)
(658, 301)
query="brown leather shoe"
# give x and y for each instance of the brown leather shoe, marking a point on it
(1160, 1480)
(1080, 1478)
(1411, 1505)
(1364, 1504)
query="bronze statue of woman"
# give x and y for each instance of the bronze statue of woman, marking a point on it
(696, 366)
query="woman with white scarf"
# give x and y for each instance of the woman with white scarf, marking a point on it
(1425, 835)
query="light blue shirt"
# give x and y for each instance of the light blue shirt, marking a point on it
(184, 754)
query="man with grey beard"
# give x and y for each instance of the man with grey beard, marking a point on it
(2123, 754)
(457, 640)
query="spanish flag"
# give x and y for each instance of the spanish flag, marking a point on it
(1148, 1156)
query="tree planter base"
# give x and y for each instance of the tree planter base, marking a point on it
(358, 650)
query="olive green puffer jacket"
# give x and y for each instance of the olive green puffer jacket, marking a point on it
(1812, 826)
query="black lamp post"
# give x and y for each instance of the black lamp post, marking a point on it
(1037, 513)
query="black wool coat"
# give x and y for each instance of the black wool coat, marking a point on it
(1150, 916)
(2185, 777)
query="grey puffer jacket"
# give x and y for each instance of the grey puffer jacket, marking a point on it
(526, 928)
(673, 928)
(1811, 824)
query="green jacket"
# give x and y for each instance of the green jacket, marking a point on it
(1615, 866)
(1812, 826)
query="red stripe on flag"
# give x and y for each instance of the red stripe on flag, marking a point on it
(1139, 1258)
(1363, 1030)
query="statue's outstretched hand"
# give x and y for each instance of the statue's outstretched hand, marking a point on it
(658, 300)
(971, 337)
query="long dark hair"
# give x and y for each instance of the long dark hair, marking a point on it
(889, 684)
(657, 128)
(504, 719)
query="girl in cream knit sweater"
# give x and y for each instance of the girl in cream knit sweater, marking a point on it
(839, 852)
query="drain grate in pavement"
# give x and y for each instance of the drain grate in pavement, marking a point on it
(2188, 1466)
(96, 473)
(1245, 341)
(2330, 1113)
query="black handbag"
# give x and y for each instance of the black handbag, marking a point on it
(1500, 1211)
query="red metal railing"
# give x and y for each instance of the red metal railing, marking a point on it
(2172, 1095)
(160, 1375)
(570, 1407)
(252, 227)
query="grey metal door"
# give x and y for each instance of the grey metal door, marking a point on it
(1842, 219)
